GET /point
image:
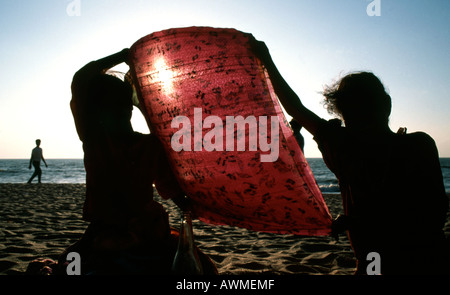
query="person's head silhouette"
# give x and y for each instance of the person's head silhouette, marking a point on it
(110, 103)
(360, 99)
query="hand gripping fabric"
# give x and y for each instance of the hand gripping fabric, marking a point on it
(205, 94)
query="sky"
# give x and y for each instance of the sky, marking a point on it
(404, 42)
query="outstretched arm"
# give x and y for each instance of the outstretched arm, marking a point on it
(288, 98)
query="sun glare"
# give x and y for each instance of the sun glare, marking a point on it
(164, 75)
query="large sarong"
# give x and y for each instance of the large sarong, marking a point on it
(206, 96)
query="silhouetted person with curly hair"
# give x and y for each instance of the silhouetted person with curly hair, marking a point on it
(391, 184)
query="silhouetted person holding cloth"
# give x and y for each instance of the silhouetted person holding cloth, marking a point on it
(391, 183)
(129, 231)
(36, 157)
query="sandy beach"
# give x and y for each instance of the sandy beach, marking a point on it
(40, 221)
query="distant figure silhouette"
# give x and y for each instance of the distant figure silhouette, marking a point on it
(391, 183)
(296, 127)
(36, 157)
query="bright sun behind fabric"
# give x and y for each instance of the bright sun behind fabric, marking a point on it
(200, 77)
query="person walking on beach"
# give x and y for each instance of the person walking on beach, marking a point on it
(391, 183)
(36, 157)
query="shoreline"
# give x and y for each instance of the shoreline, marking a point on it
(41, 220)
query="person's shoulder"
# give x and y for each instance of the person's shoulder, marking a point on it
(419, 137)
(420, 142)
(330, 127)
(332, 124)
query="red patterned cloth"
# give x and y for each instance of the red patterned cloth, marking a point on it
(208, 72)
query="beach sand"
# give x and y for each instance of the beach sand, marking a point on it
(40, 221)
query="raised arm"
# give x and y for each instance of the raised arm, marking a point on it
(288, 98)
(80, 84)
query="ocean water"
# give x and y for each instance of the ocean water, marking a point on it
(58, 171)
(72, 171)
